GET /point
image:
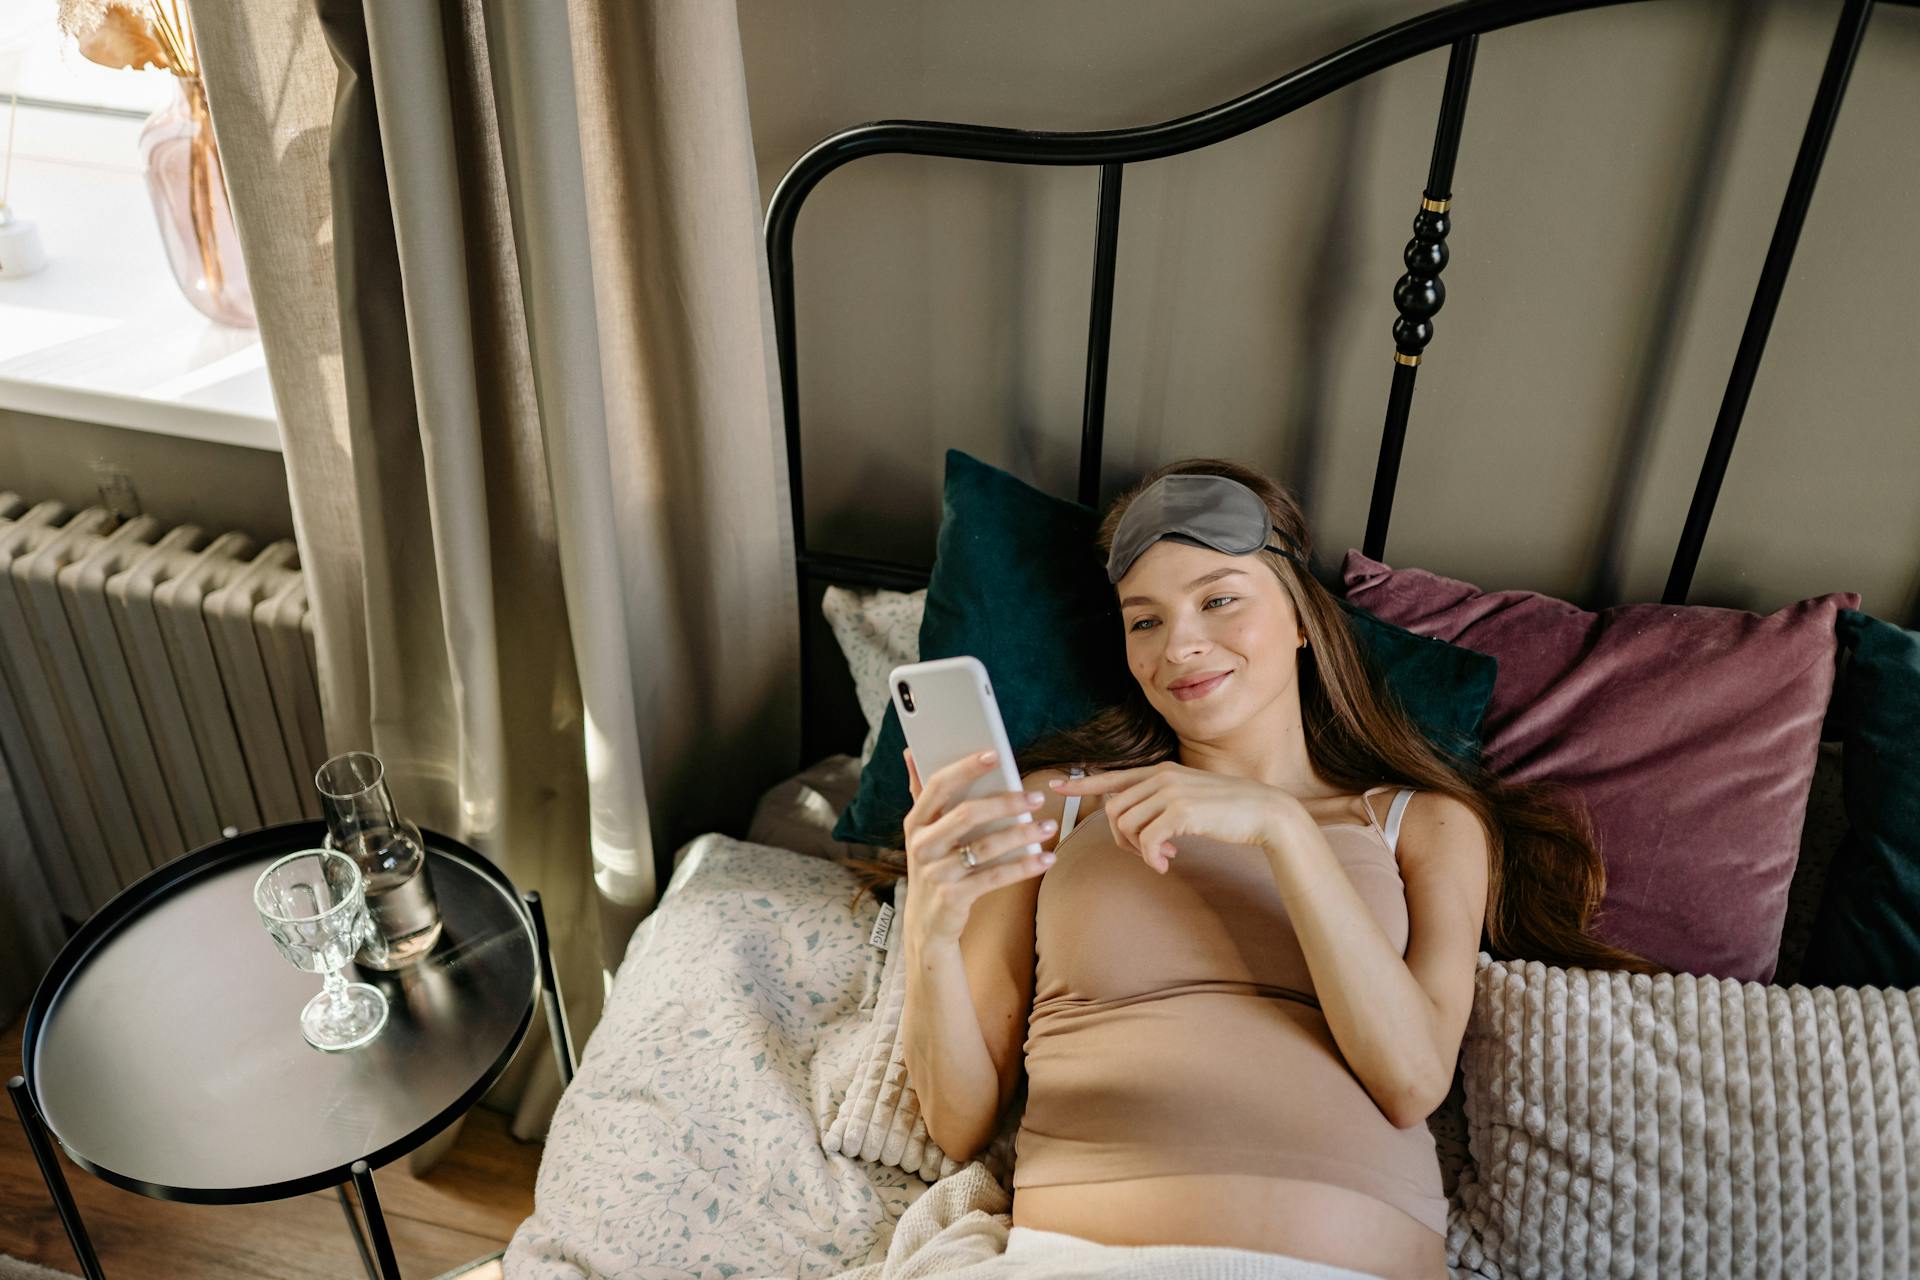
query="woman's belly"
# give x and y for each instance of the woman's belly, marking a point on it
(1215, 1084)
(1311, 1220)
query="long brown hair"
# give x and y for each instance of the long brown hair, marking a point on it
(1545, 880)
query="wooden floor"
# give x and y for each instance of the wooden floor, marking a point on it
(466, 1208)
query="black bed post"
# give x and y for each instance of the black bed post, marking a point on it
(782, 211)
(1766, 295)
(1093, 420)
(1419, 294)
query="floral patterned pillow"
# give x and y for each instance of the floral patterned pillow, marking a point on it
(877, 630)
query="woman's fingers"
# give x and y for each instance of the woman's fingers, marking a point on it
(952, 782)
(970, 815)
(945, 786)
(1154, 840)
(997, 864)
(1018, 836)
(913, 773)
(1133, 824)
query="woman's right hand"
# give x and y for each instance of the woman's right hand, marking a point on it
(940, 885)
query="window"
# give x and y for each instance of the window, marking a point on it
(43, 67)
(103, 333)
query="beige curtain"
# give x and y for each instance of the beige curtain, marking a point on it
(511, 285)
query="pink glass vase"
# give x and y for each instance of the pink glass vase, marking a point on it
(190, 200)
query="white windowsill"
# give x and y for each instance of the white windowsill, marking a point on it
(103, 333)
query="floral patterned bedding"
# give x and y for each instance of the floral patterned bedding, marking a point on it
(688, 1143)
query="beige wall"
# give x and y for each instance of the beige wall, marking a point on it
(216, 486)
(944, 302)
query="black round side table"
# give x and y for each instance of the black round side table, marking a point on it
(163, 1047)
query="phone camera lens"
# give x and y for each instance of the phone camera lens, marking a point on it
(906, 696)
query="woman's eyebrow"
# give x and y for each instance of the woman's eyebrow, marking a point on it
(1200, 581)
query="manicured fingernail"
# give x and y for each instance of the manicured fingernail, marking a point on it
(1046, 859)
(1054, 782)
(986, 757)
(1048, 825)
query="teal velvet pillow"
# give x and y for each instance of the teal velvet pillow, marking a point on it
(1018, 583)
(1867, 933)
(1444, 688)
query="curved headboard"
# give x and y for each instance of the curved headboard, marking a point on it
(829, 718)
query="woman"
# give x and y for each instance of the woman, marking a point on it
(1237, 988)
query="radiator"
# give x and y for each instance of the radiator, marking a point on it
(156, 687)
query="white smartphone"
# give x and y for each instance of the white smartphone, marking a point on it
(947, 711)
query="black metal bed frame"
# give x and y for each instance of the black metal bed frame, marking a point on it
(1417, 295)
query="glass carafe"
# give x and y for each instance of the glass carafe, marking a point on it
(362, 823)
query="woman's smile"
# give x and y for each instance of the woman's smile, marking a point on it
(1201, 690)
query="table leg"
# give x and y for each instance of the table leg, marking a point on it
(359, 1236)
(376, 1222)
(55, 1180)
(549, 990)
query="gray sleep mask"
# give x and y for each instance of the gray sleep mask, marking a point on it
(1203, 510)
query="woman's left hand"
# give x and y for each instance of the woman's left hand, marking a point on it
(1147, 807)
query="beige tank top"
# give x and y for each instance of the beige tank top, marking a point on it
(1175, 1030)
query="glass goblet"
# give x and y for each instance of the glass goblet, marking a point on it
(314, 905)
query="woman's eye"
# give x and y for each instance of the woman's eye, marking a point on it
(1138, 621)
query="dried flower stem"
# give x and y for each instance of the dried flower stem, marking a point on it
(171, 34)
(185, 38)
(202, 172)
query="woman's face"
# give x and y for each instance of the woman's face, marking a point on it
(1194, 612)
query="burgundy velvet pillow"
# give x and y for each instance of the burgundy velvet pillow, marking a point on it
(1691, 733)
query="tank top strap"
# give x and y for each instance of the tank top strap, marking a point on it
(1366, 802)
(1396, 812)
(1390, 832)
(1072, 810)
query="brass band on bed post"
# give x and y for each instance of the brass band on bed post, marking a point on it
(1418, 294)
